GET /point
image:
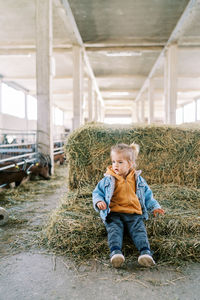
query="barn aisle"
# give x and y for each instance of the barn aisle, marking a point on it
(29, 207)
(28, 271)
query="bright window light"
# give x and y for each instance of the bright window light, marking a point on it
(198, 109)
(58, 116)
(118, 120)
(31, 108)
(179, 116)
(120, 93)
(116, 54)
(13, 101)
(189, 112)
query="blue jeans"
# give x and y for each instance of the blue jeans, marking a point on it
(115, 223)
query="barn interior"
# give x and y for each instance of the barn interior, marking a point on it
(66, 63)
(69, 63)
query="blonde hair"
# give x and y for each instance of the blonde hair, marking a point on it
(130, 152)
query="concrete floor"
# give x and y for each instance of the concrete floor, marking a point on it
(28, 271)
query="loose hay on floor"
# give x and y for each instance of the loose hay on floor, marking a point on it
(75, 228)
(29, 190)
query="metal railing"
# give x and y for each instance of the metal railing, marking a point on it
(18, 148)
(15, 143)
(58, 147)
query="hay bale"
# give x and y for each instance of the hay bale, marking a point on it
(167, 155)
(76, 229)
(169, 158)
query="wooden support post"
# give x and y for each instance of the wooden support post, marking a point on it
(133, 112)
(98, 110)
(151, 101)
(95, 106)
(142, 106)
(172, 83)
(77, 87)
(90, 100)
(26, 110)
(165, 98)
(137, 112)
(44, 76)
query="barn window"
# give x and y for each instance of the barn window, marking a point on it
(58, 116)
(189, 112)
(13, 101)
(198, 109)
(179, 116)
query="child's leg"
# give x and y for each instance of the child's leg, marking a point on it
(138, 234)
(115, 229)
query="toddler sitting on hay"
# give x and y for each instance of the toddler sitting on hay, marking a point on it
(123, 198)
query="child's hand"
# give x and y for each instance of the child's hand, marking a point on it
(101, 205)
(159, 211)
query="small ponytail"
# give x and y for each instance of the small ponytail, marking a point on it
(135, 148)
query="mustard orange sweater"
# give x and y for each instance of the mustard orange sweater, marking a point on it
(124, 199)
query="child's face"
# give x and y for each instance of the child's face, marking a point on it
(120, 165)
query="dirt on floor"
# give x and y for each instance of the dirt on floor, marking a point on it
(28, 271)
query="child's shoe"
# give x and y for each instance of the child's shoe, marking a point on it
(145, 259)
(117, 258)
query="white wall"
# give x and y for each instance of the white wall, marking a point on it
(15, 123)
(10, 123)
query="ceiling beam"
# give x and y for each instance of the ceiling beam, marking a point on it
(31, 51)
(124, 49)
(55, 93)
(18, 47)
(118, 76)
(182, 47)
(140, 43)
(157, 90)
(13, 78)
(6, 50)
(63, 4)
(182, 23)
(102, 77)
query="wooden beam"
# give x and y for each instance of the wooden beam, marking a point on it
(102, 77)
(44, 76)
(124, 76)
(90, 100)
(26, 49)
(105, 50)
(122, 44)
(15, 78)
(151, 103)
(77, 87)
(62, 48)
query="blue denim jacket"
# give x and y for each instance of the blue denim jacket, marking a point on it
(105, 189)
